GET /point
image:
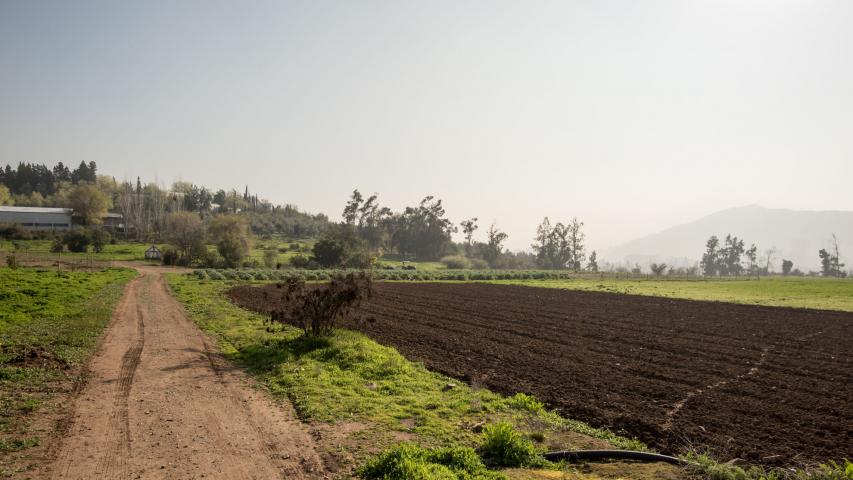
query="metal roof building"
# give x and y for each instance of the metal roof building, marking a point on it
(37, 218)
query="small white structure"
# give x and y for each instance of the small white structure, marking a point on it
(153, 253)
(37, 218)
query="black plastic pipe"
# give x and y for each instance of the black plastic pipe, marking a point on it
(575, 455)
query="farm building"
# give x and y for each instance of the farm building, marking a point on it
(113, 221)
(37, 218)
(153, 253)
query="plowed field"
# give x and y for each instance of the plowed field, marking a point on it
(768, 385)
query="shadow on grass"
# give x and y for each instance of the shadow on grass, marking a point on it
(263, 357)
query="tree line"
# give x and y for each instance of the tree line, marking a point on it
(731, 258)
(33, 183)
(145, 206)
(423, 232)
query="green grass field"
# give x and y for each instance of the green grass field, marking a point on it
(799, 292)
(48, 323)
(40, 249)
(285, 248)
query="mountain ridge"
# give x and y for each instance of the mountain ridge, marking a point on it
(797, 235)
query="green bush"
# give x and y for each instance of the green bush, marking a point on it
(170, 256)
(299, 261)
(407, 461)
(77, 239)
(527, 403)
(456, 262)
(835, 471)
(57, 246)
(503, 446)
(100, 237)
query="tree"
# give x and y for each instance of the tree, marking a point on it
(592, 264)
(543, 245)
(89, 203)
(658, 268)
(825, 263)
(423, 230)
(230, 234)
(185, 231)
(829, 261)
(752, 259)
(5, 196)
(468, 228)
(494, 246)
(61, 173)
(560, 246)
(219, 198)
(85, 173)
(837, 266)
(769, 254)
(329, 252)
(351, 209)
(371, 222)
(341, 245)
(711, 258)
(730, 256)
(576, 244)
(787, 265)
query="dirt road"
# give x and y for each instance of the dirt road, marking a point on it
(160, 403)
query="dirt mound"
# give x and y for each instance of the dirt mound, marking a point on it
(770, 385)
(36, 357)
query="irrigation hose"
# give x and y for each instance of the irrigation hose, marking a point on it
(576, 455)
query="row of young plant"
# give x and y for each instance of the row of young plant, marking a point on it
(251, 274)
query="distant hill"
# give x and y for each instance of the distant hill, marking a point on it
(797, 235)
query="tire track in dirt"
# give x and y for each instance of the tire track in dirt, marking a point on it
(115, 462)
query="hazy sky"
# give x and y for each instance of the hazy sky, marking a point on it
(631, 115)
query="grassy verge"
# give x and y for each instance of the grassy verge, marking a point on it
(367, 397)
(38, 249)
(819, 293)
(49, 324)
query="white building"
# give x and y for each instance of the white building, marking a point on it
(37, 218)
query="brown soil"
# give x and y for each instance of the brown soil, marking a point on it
(159, 402)
(769, 385)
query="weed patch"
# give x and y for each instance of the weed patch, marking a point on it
(408, 461)
(503, 446)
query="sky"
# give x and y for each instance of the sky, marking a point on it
(632, 116)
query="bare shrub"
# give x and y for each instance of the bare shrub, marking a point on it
(318, 309)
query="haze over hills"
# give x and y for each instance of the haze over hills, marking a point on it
(797, 235)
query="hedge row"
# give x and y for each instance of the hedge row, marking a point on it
(252, 274)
